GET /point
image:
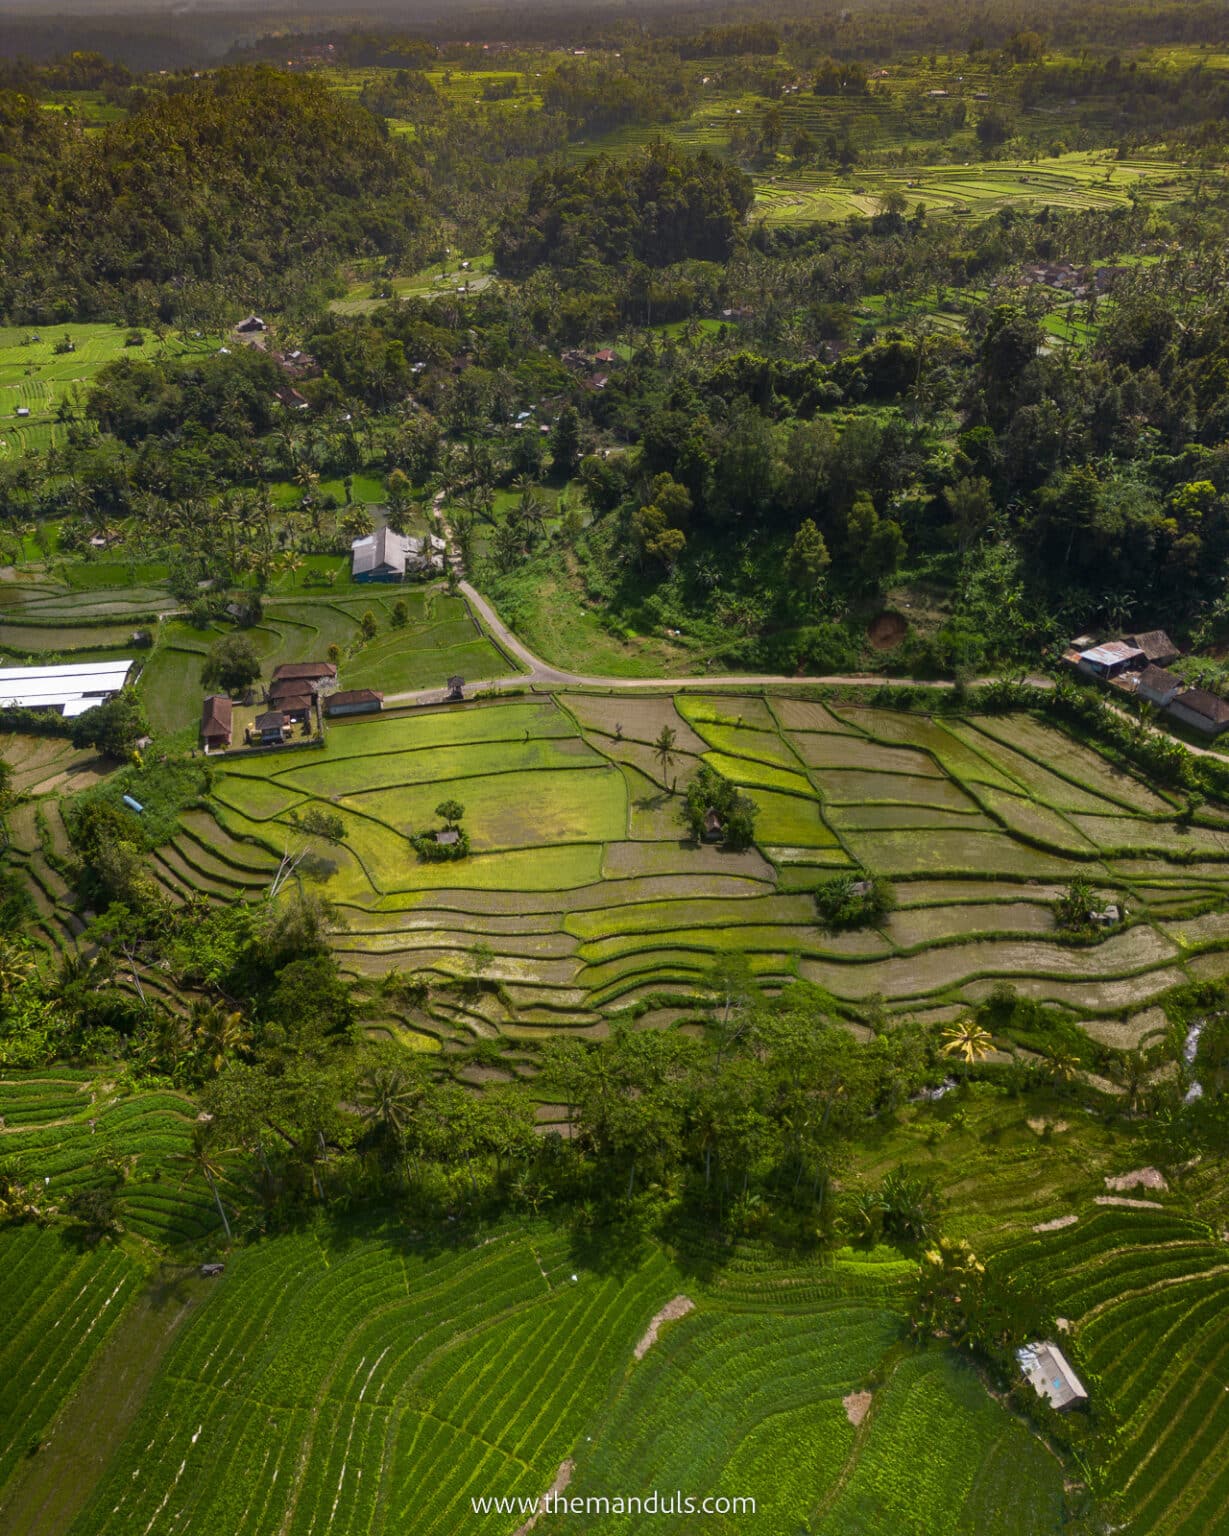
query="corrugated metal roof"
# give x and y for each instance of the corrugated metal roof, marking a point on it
(73, 688)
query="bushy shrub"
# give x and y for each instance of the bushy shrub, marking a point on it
(854, 900)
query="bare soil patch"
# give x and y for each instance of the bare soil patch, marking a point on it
(1147, 1178)
(886, 630)
(1135, 1205)
(1057, 1224)
(679, 1307)
(562, 1478)
(856, 1406)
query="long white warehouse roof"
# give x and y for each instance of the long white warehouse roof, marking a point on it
(72, 688)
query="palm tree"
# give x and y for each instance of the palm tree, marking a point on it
(663, 751)
(967, 1041)
(1062, 1067)
(201, 1162)
(217, 1031)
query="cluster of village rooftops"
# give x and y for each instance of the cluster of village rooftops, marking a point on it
(297, 695)
(1136, 665)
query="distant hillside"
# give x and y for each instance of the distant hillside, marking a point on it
(240, 188)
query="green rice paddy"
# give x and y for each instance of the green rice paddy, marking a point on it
(573, 817)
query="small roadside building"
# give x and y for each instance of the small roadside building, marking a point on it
(354, 701)
(1202, 710)
(217, 717)
(456, 690)
(1049, 1371)
(1158, 686)
(1111, 659)
(1156, 646)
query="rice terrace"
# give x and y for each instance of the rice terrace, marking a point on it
(614, 770)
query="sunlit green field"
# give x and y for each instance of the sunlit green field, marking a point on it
(34, 377)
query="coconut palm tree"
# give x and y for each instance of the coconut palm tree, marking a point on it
(663, 751)
(201, 1162)
(966, 1041)
(217, 1031)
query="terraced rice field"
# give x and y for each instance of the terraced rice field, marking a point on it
(66, 1130)
(1147, 1293)
(349, 1379)
(61, 1302)
(973, 191)
(572, 824)
(34, 377)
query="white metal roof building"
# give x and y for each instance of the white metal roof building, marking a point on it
(1045, 1365)
(72, 688)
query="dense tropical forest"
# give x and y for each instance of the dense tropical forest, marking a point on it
(727, 976)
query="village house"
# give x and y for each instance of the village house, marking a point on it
(296, 707)
(307, 673)
(1156, 646)
(1202, 710)
(1158, 686)
(291, 398)
(251, 326)
(216, 723)
(1111, 660)
(382, 556)
(354, 701)
(1048, 1370)
(270, 728)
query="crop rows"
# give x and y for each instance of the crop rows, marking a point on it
(60, 1303)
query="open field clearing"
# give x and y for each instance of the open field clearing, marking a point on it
(582, 884)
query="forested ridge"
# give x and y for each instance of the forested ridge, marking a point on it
(242, 182)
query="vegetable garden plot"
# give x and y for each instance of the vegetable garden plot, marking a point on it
(1037, 822)
(957, 758)
(634, 719)
(1071, 759)
(960, 853)
(805, 715)
(857, 752)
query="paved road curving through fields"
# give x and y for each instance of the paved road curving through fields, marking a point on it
(540, 674)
